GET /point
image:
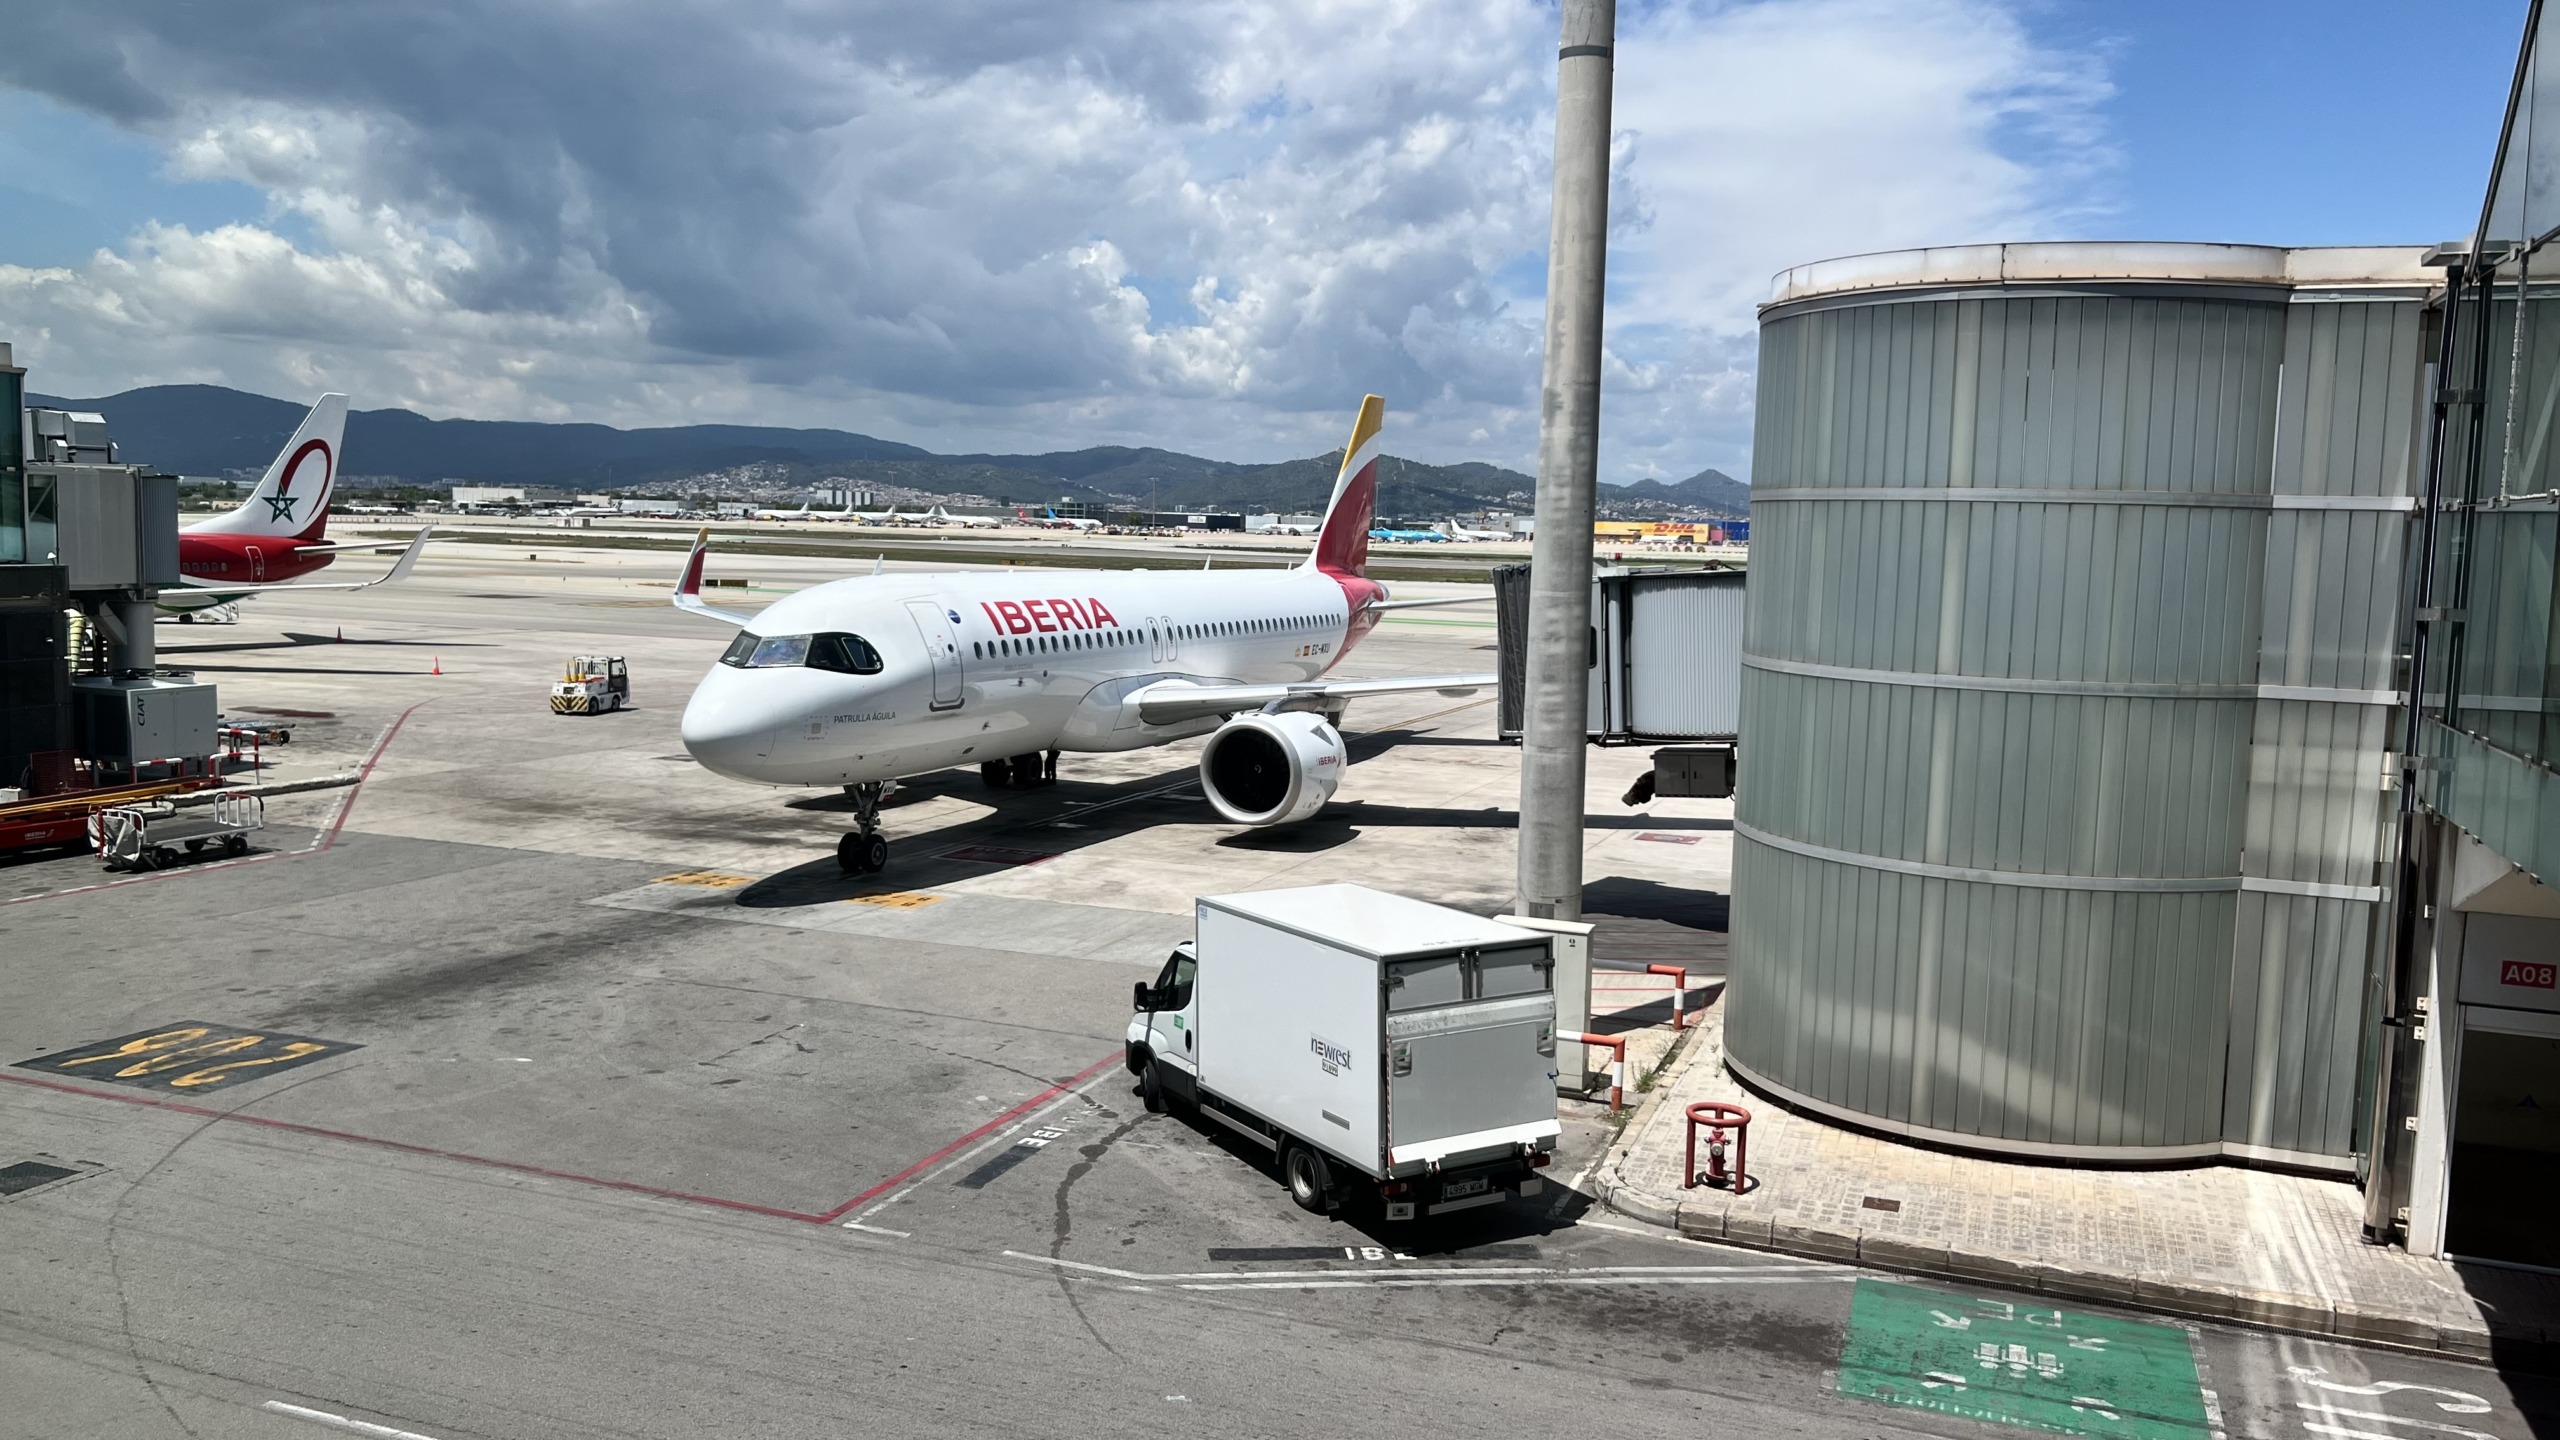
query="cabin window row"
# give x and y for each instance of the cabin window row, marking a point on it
(1103, 639)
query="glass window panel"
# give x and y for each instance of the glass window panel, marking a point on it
(41, 538)
(13, 519)
(2538, 119)
(2504, 217)
(780, 650)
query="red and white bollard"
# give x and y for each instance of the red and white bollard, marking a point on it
(1679, 992)
(1617, 1046)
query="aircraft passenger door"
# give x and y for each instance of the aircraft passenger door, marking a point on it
(257, 563)
(942, 648)
(1155, 639)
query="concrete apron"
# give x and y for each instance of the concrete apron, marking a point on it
(1811, 1174)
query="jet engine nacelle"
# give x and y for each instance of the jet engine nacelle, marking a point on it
(1272, 769)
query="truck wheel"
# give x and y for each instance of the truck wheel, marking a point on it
(1151, 1089)
(1305, 1169)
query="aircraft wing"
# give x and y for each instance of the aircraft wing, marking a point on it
(399, 570)
(689, 585)
(1170, 702)
(1424, 604)
(349, 547)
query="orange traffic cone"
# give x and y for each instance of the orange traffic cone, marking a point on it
(439, 666)
(342, 634)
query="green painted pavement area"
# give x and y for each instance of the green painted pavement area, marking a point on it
(2021, 1364)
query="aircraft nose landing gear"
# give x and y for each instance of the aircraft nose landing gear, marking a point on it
(865, 851)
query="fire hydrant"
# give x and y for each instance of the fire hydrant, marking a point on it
(1719, 1117)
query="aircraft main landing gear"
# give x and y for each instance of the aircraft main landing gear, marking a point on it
(865, 851)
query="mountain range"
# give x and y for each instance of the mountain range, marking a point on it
(211, 430)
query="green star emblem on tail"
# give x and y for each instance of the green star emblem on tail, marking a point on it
(282, 505)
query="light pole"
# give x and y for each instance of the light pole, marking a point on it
(1558, 686)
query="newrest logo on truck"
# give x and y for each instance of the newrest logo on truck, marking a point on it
(1336, 1059)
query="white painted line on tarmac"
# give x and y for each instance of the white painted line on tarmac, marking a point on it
(1471, 1274)
(878, 1229)
(341, 1422)
(1395, 1283)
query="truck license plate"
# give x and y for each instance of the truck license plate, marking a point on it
(1456, 1188)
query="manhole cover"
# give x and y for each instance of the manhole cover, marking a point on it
(28, 1174)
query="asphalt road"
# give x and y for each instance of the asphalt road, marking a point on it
(591, 1173)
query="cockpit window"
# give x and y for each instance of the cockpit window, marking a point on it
(841, 653)
(844, 654)
(779, 651)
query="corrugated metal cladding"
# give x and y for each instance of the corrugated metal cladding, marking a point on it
(1684, 672)
(2061, 805)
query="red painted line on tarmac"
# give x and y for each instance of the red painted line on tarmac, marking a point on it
(1007, 1118)
(326, 838)
(574, 1177)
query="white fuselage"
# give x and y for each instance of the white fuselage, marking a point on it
(980, 666)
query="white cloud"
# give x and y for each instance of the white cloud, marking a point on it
(1208, 224)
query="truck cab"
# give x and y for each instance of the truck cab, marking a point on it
(1165, 1028)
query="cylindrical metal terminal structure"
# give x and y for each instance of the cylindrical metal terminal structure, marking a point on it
(2006, 666)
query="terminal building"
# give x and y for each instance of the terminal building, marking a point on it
(2088, 812)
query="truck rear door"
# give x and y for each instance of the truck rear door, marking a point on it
(1470, 1044)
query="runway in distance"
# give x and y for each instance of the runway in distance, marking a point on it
(281, 531)
(863, 682)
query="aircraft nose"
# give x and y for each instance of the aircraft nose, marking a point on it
(725, 729)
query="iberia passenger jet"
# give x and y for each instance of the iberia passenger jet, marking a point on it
(277, 533)
(863, 682)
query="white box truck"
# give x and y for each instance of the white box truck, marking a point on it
(1369, 1041)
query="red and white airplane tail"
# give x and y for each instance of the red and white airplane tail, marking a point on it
(1342, 544)
(292, 498)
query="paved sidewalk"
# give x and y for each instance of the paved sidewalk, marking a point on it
(2212, 1242)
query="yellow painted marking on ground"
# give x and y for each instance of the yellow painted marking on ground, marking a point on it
(189, 1056)
(706, 879)
(897, 900)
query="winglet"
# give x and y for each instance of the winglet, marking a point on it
(408, 560)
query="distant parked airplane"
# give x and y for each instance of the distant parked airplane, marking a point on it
(1460, 532)
(1050, 519)
(802, 513)
(1410, 537)
(939, 516)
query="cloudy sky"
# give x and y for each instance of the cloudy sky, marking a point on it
(1204, 224)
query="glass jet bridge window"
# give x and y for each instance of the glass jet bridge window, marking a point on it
(843, 654)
